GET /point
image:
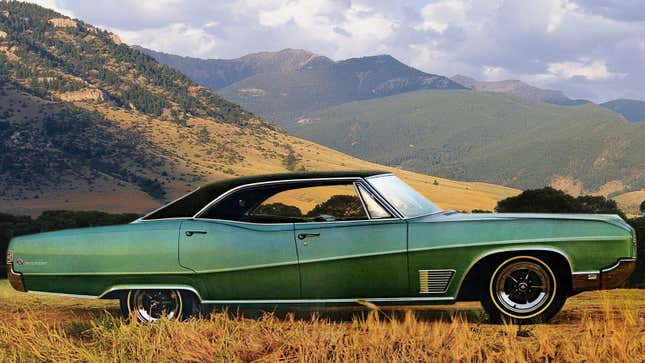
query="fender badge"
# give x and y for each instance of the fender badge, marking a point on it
(19, 262)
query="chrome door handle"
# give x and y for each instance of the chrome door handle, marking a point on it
(302, 236)
(190, 233)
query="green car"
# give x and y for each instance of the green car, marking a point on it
(327, 238)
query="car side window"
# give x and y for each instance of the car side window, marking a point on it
(291, 203)
(314, 204)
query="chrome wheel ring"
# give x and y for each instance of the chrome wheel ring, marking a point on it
(151, 305)
(524, 287)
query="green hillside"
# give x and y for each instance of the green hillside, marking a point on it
(632, 110)
(496, 138)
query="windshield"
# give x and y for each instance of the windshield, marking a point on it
(405, 199)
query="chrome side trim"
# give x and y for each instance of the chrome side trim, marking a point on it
(78, 296)
(151, 287)
(617, 264)
(323, 301)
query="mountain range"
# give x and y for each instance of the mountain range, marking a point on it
(503, 132)
(284, 85)
(87, 122)
(519, 89)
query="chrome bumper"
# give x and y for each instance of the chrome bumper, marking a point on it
(607, 278)
(15, 279)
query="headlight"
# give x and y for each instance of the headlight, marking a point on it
(9, 257)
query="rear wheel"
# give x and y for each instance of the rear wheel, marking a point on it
(150, 305)
(523, 289)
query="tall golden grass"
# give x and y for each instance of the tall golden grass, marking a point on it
(598, 327)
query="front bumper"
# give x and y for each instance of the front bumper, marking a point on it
(607, 278)
(15, 279)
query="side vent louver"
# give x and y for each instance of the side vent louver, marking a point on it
(434, 281)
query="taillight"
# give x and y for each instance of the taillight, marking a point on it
(9, 257)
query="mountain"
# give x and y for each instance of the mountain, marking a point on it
(284, 85)
(632, 110)
(219, 73)
(497, 138)
(519, 89)
(87, 122)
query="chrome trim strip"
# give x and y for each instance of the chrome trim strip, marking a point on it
(586, 273)
(151, 287)
(360, 197)
(514, 241)
(284, 181)
(289, 223)
(107, 273)
(319, 301)
(63, 294)
(617, 264)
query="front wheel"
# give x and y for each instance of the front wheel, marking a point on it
(151, 305)
(524, 290)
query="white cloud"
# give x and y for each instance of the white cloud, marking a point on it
(177, 38)
(558, 12)
(438, 16)
(586, 68)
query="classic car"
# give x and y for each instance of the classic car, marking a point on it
(327, 238)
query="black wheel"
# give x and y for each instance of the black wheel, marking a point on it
(523, 290)
(150, 305)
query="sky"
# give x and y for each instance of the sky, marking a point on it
(589, 49)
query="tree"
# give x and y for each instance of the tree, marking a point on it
(545, 200)
(643, 207)
(549, 200)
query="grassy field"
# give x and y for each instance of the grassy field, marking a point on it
(593, 327)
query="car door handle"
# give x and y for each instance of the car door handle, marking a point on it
(302, 236)
(190, 233)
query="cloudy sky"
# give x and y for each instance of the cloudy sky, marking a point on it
(590, 49)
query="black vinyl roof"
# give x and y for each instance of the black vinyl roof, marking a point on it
(192, 203)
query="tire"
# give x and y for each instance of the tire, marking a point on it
(147, 306)
(523, 290)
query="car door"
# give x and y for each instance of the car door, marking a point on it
(235, 260)
(345, 252)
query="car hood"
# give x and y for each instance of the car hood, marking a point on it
(451, 216)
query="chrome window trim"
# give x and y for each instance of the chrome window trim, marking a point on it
(373, 195)
(288, 181)
(360, 197)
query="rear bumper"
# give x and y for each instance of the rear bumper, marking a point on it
(607, 278)
(15, 279)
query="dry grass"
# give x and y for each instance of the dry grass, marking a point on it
(593, 327)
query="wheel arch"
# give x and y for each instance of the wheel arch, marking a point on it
(117, 291)
(471, 282)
